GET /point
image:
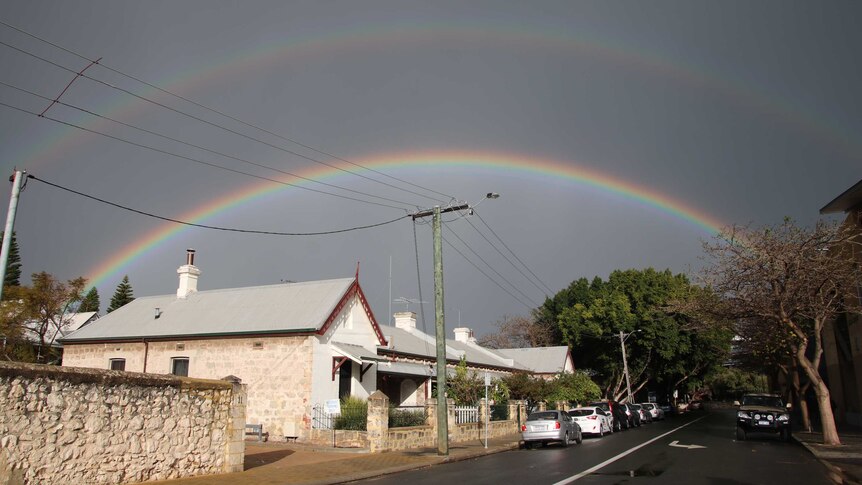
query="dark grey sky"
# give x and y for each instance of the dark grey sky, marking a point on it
(734, 111)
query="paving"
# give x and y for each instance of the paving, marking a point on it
(295, 463)
(844, 461)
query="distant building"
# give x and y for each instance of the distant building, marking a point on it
(842, 338)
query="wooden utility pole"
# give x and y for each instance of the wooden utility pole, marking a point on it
(440, 324)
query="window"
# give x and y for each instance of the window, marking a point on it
(180, 366)
(118, 364)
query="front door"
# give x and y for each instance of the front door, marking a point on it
(345, 373)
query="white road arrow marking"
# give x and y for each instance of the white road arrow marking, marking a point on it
(676, 444)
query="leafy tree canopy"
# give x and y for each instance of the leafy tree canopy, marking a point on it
(661, 345)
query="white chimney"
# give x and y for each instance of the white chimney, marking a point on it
(405, 320)
(188, 276)
(463, 334)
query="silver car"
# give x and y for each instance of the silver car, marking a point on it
(543, 427)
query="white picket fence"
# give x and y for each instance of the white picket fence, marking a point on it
(466, 414)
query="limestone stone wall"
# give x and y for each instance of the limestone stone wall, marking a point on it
(88, 426)
(276, 370)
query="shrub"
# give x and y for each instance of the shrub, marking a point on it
(354, 414)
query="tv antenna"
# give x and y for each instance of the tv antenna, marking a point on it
(407, 302)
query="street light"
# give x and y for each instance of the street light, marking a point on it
(623, 338)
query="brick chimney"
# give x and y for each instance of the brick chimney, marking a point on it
(188, 276)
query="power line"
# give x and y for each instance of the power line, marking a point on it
(202, 120)
(205, 226)
(195, 160)
(486, 274)
(213, 110)
(176, 140)
(491, 267)
(550, 291)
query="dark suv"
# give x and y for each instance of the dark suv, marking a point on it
(621, 419)
(762, 413)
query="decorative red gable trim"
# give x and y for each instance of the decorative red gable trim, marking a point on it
(354, 290)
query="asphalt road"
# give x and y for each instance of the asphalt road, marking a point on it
(654, 453)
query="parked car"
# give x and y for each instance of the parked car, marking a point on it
(656, 413)
(643, 415)
(543, 427)
(592, 420)
(695, 406)
(666, 409)
(617, 413)
(762, 413)
(633, 417)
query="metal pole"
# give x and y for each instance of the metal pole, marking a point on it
(487, 409)
(17, 180)
(626, 365)
(440, 327)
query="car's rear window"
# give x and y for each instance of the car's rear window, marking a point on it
(648, 406)
(581, 412)
(602, 405)
(543, 416)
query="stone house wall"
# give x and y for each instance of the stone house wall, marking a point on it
(71, 425)
(276, 370)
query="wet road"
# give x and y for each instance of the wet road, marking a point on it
(654, 453)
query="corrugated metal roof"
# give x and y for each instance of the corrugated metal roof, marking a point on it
(413, 343)
(544, 360)
(289, 307)
(420, 344)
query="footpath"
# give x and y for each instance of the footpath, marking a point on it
(294, 463)
(844, 462)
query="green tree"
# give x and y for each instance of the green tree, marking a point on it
(664, 346)
(91, 302)
(122, 295)
(575, 387)
(13, 264)
(465, 387)
(523, 386)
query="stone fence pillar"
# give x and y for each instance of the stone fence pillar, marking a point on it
(452, 421)
(431, 415)
(562, 405)
(235, 447)
(543, 406)
(513, 413)
(378, 422)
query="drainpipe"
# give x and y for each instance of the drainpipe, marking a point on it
(146, 351)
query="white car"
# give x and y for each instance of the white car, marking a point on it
(592, 420)
(654, 411)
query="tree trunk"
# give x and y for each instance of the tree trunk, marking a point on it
(799, 392)
(827, 419)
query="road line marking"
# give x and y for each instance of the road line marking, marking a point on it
(622, 455)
